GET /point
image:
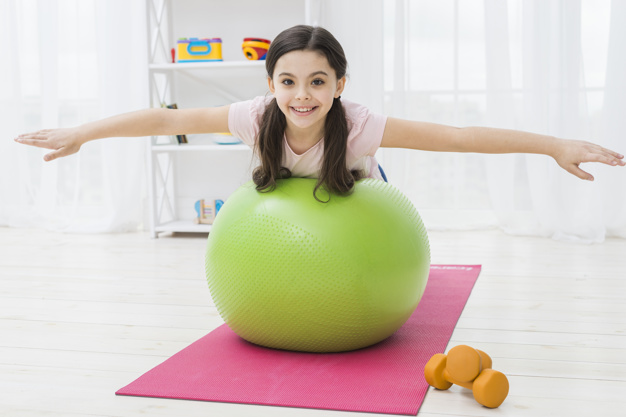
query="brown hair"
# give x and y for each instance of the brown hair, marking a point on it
(334, 175)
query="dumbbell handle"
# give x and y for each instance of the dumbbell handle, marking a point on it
(451, 379)
(489, 396)
(486, 363)
(465, 363)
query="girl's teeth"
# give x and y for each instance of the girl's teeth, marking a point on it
(303, 110)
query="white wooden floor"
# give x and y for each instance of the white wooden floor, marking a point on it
(83, 315)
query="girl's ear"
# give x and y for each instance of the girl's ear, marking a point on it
(341, 84)
(270, 84)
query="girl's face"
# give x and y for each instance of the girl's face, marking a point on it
(304, 85)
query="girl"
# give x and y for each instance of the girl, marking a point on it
(307, 130)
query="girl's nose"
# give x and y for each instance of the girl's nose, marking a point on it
(303, 93)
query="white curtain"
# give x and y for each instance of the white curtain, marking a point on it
(358, 26)
(67, 62)
(547, 66)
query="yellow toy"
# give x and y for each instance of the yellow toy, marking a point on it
(199, 50)
(255, 49)
(471, 369)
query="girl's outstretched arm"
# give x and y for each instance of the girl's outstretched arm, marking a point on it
(569, 154)
(147, 122)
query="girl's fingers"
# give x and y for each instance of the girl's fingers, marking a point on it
(40, 134)
(612, 153)
(617, 159)
(56, 154)
(21, 138)
(604, 159)
(34, 141)
(583, 175)
(40, 139)
(609, 158)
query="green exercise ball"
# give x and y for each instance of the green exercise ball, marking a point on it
(289, 272)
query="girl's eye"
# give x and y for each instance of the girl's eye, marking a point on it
(318, 82)
(287, 82)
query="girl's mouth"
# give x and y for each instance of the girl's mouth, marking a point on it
(303, 111)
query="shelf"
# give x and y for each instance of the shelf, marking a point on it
(208, 65)
(181, 173)
(187, 147)
(183, 226)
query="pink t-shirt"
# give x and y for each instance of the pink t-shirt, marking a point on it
(364, 137)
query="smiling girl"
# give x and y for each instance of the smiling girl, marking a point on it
(306, 130)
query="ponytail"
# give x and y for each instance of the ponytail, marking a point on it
(269, 149)
(335, 175)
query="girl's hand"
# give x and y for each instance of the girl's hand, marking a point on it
(63, 142)
(569, 154)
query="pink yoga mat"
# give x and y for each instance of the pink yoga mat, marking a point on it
(385, 378)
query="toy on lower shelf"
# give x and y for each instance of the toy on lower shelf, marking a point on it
(471, 369)
(206, 212)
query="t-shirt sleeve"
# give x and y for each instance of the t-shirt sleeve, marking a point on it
(244, 119)
(366, 129)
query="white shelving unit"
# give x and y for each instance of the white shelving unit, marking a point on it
(180, 174)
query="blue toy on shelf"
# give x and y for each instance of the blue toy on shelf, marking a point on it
(206, 212)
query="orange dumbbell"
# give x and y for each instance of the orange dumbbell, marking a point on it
(471, 369)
